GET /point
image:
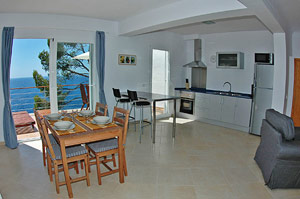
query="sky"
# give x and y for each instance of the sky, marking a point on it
(25, 57)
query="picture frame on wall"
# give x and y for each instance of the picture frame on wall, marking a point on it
(127, 59)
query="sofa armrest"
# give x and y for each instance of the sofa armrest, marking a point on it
(289, 150)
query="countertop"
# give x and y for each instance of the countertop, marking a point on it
(217, 92)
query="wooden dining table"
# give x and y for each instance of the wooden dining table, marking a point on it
(85, 132)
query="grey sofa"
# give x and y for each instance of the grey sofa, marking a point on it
(278, 154)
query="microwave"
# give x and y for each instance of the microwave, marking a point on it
(264, 58)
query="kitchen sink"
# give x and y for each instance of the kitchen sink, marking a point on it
(225, 93)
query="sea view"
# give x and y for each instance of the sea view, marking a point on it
(23, 99)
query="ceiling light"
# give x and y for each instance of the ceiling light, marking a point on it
(208, 22)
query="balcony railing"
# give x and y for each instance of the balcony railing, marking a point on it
(22, 99)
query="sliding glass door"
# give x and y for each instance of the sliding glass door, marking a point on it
(72, 69)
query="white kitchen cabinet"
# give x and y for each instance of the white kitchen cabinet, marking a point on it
(228, 109)
(201, 105)
(215, 107)
(242, 112)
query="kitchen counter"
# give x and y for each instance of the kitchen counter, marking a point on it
(217, 92)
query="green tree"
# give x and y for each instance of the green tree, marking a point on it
(67, 68)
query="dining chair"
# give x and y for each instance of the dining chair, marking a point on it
(84, 96)
(120, 99)
(101, 109)
(39, 121)
(141, 104)
(54, 159)
(110, 146)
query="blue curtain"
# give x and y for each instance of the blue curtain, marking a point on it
(100, 63)
(10, 135)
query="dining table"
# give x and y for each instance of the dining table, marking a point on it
(154, 97)
(84, 132)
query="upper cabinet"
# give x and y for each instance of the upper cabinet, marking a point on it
(232, 60)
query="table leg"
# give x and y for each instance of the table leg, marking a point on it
(174, 120)
(154, 122)
(121, 159)
(66, 169)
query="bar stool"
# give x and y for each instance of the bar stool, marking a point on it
(120, 99)
(141, 104)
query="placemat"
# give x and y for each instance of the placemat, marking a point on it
(77, 129)
(88, 122)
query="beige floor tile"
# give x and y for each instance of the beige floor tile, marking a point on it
(175, 192)
(216, 191)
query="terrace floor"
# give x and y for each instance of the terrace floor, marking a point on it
(203, 162)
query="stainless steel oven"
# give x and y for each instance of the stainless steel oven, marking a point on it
(187, 100)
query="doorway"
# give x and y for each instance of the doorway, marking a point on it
(161, 78)
(296, 94)
(25, 94)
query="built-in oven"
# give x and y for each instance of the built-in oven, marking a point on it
(187, 100)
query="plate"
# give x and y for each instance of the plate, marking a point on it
(93, 122)
(72, 127)
(61, 117)
(85, 116)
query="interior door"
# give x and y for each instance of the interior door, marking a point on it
(160, 79)
(296, 94)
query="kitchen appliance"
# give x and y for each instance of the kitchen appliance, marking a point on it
(187, 102)
(264, 58)
(262, 95)
(197, 55)
(231, 60)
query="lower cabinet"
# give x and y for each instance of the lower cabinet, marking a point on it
(232, 110)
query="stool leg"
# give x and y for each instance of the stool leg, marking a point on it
(141, 128)
(134, 118)
(150, 121)
(129, 114)
(142, 119)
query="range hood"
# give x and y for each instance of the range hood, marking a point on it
(197, 56)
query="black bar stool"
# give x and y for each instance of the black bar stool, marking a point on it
(120, 99)
(141, 104)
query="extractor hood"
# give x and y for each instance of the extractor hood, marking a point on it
(197, 56)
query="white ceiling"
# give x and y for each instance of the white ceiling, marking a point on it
(114, 10)
(117, 10)
(290, 11)
(220, 26)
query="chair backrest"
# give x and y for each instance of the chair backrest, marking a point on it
(117, 93)
(132, 95)
(44, 133)
(83, 94)
(39, 125)
(282, 123)
(101, 109)
(121, 117)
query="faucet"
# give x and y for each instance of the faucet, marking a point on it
(229, 86)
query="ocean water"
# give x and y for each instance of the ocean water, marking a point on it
(23, 99)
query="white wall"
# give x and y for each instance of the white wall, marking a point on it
(247, 42)
(280, 67)
(79, 29)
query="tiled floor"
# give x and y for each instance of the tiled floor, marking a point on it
(204, 162)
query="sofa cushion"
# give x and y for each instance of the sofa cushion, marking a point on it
(282, 123)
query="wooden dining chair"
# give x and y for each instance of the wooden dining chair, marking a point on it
(84, 96)
(54, 159)
(101, 109)
(39, 121)
(110, 147)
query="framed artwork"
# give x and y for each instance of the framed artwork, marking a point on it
(127, 59)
